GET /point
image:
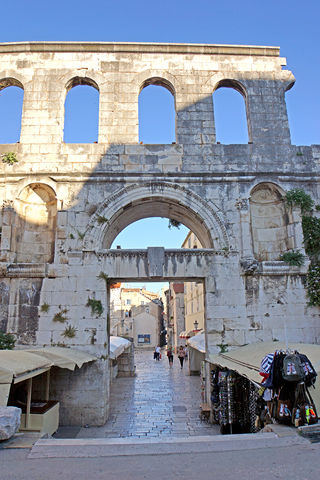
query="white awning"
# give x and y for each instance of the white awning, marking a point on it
(69, 358)
(16, 366)
(117, 346)
(186, 334)
(198, 342)
(19, 365)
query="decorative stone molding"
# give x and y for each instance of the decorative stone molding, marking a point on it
(7, 204)
(3, 270)
(207, 214)
(242, 204)
(249, 265)
(29, 270)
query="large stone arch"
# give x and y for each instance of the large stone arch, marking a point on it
(155, 199)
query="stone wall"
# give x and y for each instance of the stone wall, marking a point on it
(64, 204)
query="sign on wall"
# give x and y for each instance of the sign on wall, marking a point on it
(144, 338)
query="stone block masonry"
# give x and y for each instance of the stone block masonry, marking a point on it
(62, 205)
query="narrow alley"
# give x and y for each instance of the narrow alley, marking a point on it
(159, 401)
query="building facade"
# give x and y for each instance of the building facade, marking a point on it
(194, 309)
(137, 314)
(62, 205)
(176, 315)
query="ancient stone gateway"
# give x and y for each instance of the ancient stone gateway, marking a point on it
(63, 204)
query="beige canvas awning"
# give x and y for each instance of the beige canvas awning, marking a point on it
(69, 358)
(4, 394)
(19, 365)
(16, 366)
(198, 342)
(117, 346)
(246, 361)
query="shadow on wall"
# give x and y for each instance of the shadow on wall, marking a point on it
(37, 230)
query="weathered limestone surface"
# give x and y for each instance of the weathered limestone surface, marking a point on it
(62, 205)
(10, 418)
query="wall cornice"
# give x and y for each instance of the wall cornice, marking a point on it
(135, 47)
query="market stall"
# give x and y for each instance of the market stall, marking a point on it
(197, 351)
(119, 346)
(20, 369)
(263, 383)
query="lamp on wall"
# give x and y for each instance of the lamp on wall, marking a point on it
(196, 325)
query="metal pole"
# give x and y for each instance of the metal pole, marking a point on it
(27, 422)
(47, 386)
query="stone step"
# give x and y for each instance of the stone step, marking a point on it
(311, 432)
(115, 447)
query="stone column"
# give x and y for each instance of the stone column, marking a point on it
(194, 124)
(267, 112)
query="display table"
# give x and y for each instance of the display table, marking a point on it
(43, 417)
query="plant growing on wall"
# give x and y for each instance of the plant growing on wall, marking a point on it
(313, 284)
(10, 158)
(223, 347)
(45, 307)
(297, 197)
(311, 239)
(101, 219)
(81, 235)
(61, 315)
(294, 258)
(311, 235)
(69, 332)
(103, 276)
(173, 223)
(7, 341)
(95, 305)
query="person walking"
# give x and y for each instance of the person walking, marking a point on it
(181, 355)
(158, 352)
(170, 356)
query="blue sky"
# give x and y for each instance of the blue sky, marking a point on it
(292, 25)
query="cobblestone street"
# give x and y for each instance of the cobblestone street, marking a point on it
(159, 401)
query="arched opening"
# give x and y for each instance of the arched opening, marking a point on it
(11, 103)
(157, 112)
(157, 207)
(269, 223)
(152, 317)
(81, 111)
(230, 113)
(35, 224)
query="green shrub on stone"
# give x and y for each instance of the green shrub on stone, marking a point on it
(7, 341)
(297, 197)
(293, 258)
(313, 284)
(10, 158)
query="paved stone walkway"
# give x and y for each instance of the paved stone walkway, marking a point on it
(159, 401)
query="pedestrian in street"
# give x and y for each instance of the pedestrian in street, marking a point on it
(158, 352)
(155, 354)
(181, 355)
(170, 356)
(186, 352)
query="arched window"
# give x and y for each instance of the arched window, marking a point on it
(81, 111)
(11, 102)
(269, 222)
(230, 113)
(157, 112)
(35, 224)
